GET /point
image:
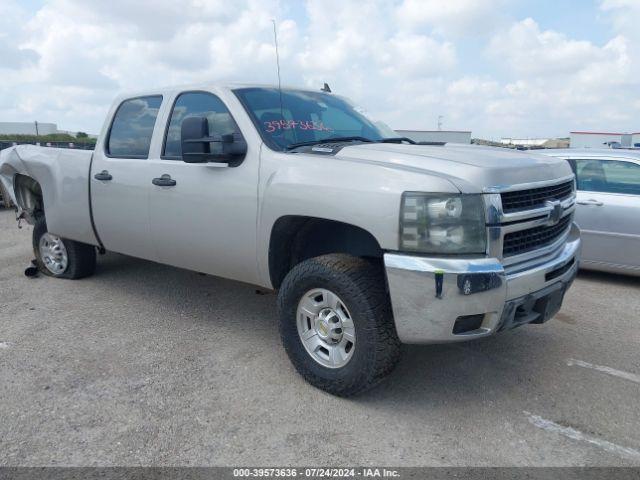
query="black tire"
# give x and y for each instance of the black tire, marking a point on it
(81, 257)
(361, 286)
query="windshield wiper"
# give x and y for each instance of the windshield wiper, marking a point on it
(291, 146)
(398, 140)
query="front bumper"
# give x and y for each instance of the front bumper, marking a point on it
(439, 300)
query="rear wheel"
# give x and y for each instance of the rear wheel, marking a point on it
(60, 257)
(336, 323)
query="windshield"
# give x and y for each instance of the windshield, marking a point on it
(304, 117)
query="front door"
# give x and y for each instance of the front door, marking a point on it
(204, 217)
(119, 179)
(608, 211)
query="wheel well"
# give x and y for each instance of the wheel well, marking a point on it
(28, 196)
(298, 238)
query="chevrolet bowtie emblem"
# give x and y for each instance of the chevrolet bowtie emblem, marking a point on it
(556, 211)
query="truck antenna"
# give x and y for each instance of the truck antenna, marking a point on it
(275, 40)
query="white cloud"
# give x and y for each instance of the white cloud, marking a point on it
(452, 17)
(360, 50)
(12, 53)
(83, 53)
(418, 56)
(527, 49)
(555, 80)
(625, 16)
(405, 61)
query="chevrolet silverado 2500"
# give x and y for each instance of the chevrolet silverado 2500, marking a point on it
(371, 241)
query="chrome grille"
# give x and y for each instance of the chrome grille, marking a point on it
(523, 241)
(527, 223)
(535, 197)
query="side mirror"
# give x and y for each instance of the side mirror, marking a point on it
(192, 133)
(196, 144)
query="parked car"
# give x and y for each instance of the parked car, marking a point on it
(370, 241)
(608, 207)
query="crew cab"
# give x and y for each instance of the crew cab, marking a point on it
(370, 240)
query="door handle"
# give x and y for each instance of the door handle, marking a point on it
(103, 175)
(164, 181)
(591, 201)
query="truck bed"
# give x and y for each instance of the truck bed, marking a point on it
(63, 175)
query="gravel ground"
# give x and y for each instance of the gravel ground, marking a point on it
(144, 364)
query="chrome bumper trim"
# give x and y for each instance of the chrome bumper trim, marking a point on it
(428, 295)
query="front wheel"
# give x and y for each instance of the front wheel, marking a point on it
(60, 257)
(336, 323)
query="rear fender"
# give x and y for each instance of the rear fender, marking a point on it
(52, 180)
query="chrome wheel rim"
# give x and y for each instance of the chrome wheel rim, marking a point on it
(53, 253)
(326, 328)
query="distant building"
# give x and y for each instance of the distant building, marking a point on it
(27, 128)
(524, 142)
(535, 142)
(30, 128)
(603, 139)
(451, 136)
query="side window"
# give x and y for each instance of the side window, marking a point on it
(197, 104)
(132, 127)
(608, 176)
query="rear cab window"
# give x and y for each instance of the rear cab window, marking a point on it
(132, 127)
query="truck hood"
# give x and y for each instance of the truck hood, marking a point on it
(472, 169)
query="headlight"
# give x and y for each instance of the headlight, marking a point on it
(442, 223)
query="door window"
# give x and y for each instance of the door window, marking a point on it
(608, 176)
(132, 127)
(197, 104)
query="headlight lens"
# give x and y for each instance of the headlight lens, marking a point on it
(442, 223)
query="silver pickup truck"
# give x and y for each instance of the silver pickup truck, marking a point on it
(371, 240)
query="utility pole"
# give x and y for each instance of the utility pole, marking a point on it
(36, 122)
(440, 117)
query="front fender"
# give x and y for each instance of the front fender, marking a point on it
(364, 195)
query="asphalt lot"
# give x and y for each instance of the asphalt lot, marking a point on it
(144, 364)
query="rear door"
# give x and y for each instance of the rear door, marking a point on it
(205, 219)
(120, 178)
(608, 210)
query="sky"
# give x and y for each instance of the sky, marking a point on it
(500, 68)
